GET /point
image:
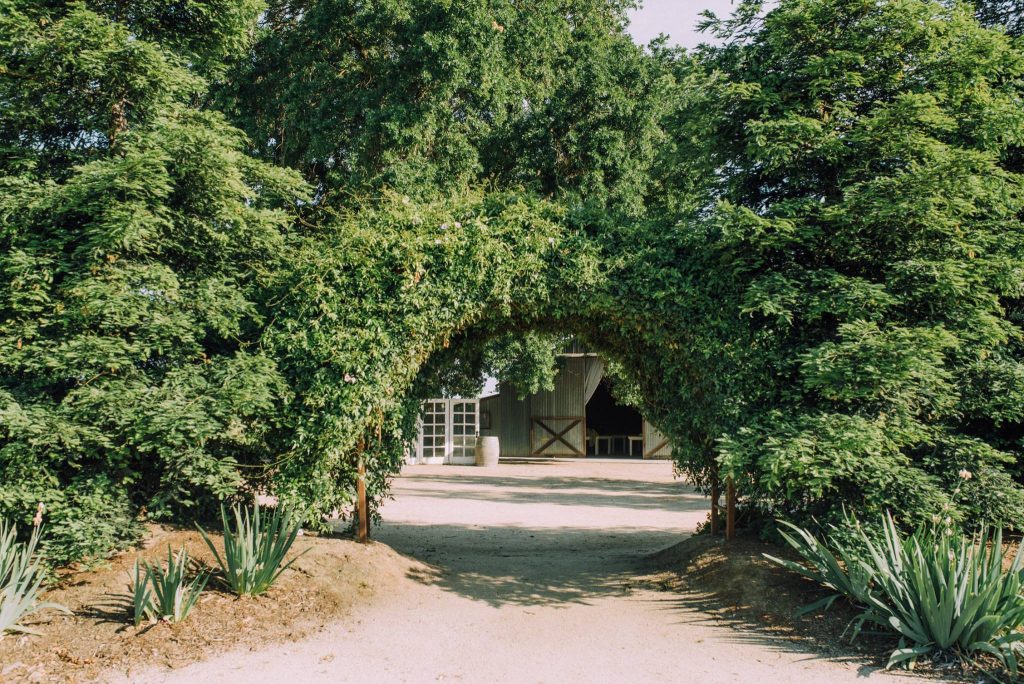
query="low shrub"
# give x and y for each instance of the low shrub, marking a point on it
(941, 592)
(89, 518)
(255, 547)
(21, 579)
(163, 592)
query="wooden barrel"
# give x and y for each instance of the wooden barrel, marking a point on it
(487, 451)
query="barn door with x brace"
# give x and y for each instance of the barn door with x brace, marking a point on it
(558, 436)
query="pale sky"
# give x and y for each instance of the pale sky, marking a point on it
(676, 18)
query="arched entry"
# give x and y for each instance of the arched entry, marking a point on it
(367, 345)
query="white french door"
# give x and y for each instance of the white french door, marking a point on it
(432, 444)
(447, 431)
(463, 421)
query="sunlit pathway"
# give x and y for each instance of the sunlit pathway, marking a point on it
(531, 580)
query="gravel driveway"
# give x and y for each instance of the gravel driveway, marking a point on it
(531, 577)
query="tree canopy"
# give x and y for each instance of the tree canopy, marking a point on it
(866, 209)
(133, 230)
(241, 242)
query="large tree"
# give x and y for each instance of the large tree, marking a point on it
(801, 249)
(876, 236)
(422, 96)
(133, 231)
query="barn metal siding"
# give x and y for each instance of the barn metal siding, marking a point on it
(656, 445)
(511, 417)
(566, 400)
(510, 420)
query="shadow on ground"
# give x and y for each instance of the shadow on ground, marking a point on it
(561, 491)
(534, 566)
(536, 539)
(705, 579)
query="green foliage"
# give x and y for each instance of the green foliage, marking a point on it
(89, 517)
(800, 250)
(867, 231)
(529, 361)
(133, 229)
(142, 595)
(406, 281)
(163, 591)
(255, 547)
(834, 565)
(21, 578)
(941, 592)
(422, 95)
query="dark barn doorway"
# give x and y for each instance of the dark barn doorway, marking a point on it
(613, 430)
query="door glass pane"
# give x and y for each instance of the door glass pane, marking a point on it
(433, 432)
(463, 429)
(448, 428)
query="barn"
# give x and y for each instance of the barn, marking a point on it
(579, 418)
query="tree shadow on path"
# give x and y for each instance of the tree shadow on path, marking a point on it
(512, 565)
(561, 491)
(511, 540)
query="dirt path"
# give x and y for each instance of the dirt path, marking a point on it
(531, 576)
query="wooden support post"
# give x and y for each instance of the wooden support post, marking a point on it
(716, 494)
(730, 509)
(362, 509)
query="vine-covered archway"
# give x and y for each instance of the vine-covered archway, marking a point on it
(448, 278)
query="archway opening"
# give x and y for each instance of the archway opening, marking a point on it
(583, 410)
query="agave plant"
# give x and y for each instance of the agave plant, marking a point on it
(835, 567)
(21, 579)
(163, 592)
(941, 592)
(9, 549)
(255, 547)
(946, 593)
(142, 595)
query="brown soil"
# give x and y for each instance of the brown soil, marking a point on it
(736, 583)
(541, 573)
(324, 585)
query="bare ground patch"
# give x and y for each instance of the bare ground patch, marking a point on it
(323, 586)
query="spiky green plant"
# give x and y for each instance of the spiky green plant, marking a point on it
(946, 593)
(9, 549)
(142, 595)
(941, 592)
(21, 579)
(255, 547)
(834, 567)
(163, 592)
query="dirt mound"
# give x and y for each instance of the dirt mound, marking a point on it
(325, 584)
